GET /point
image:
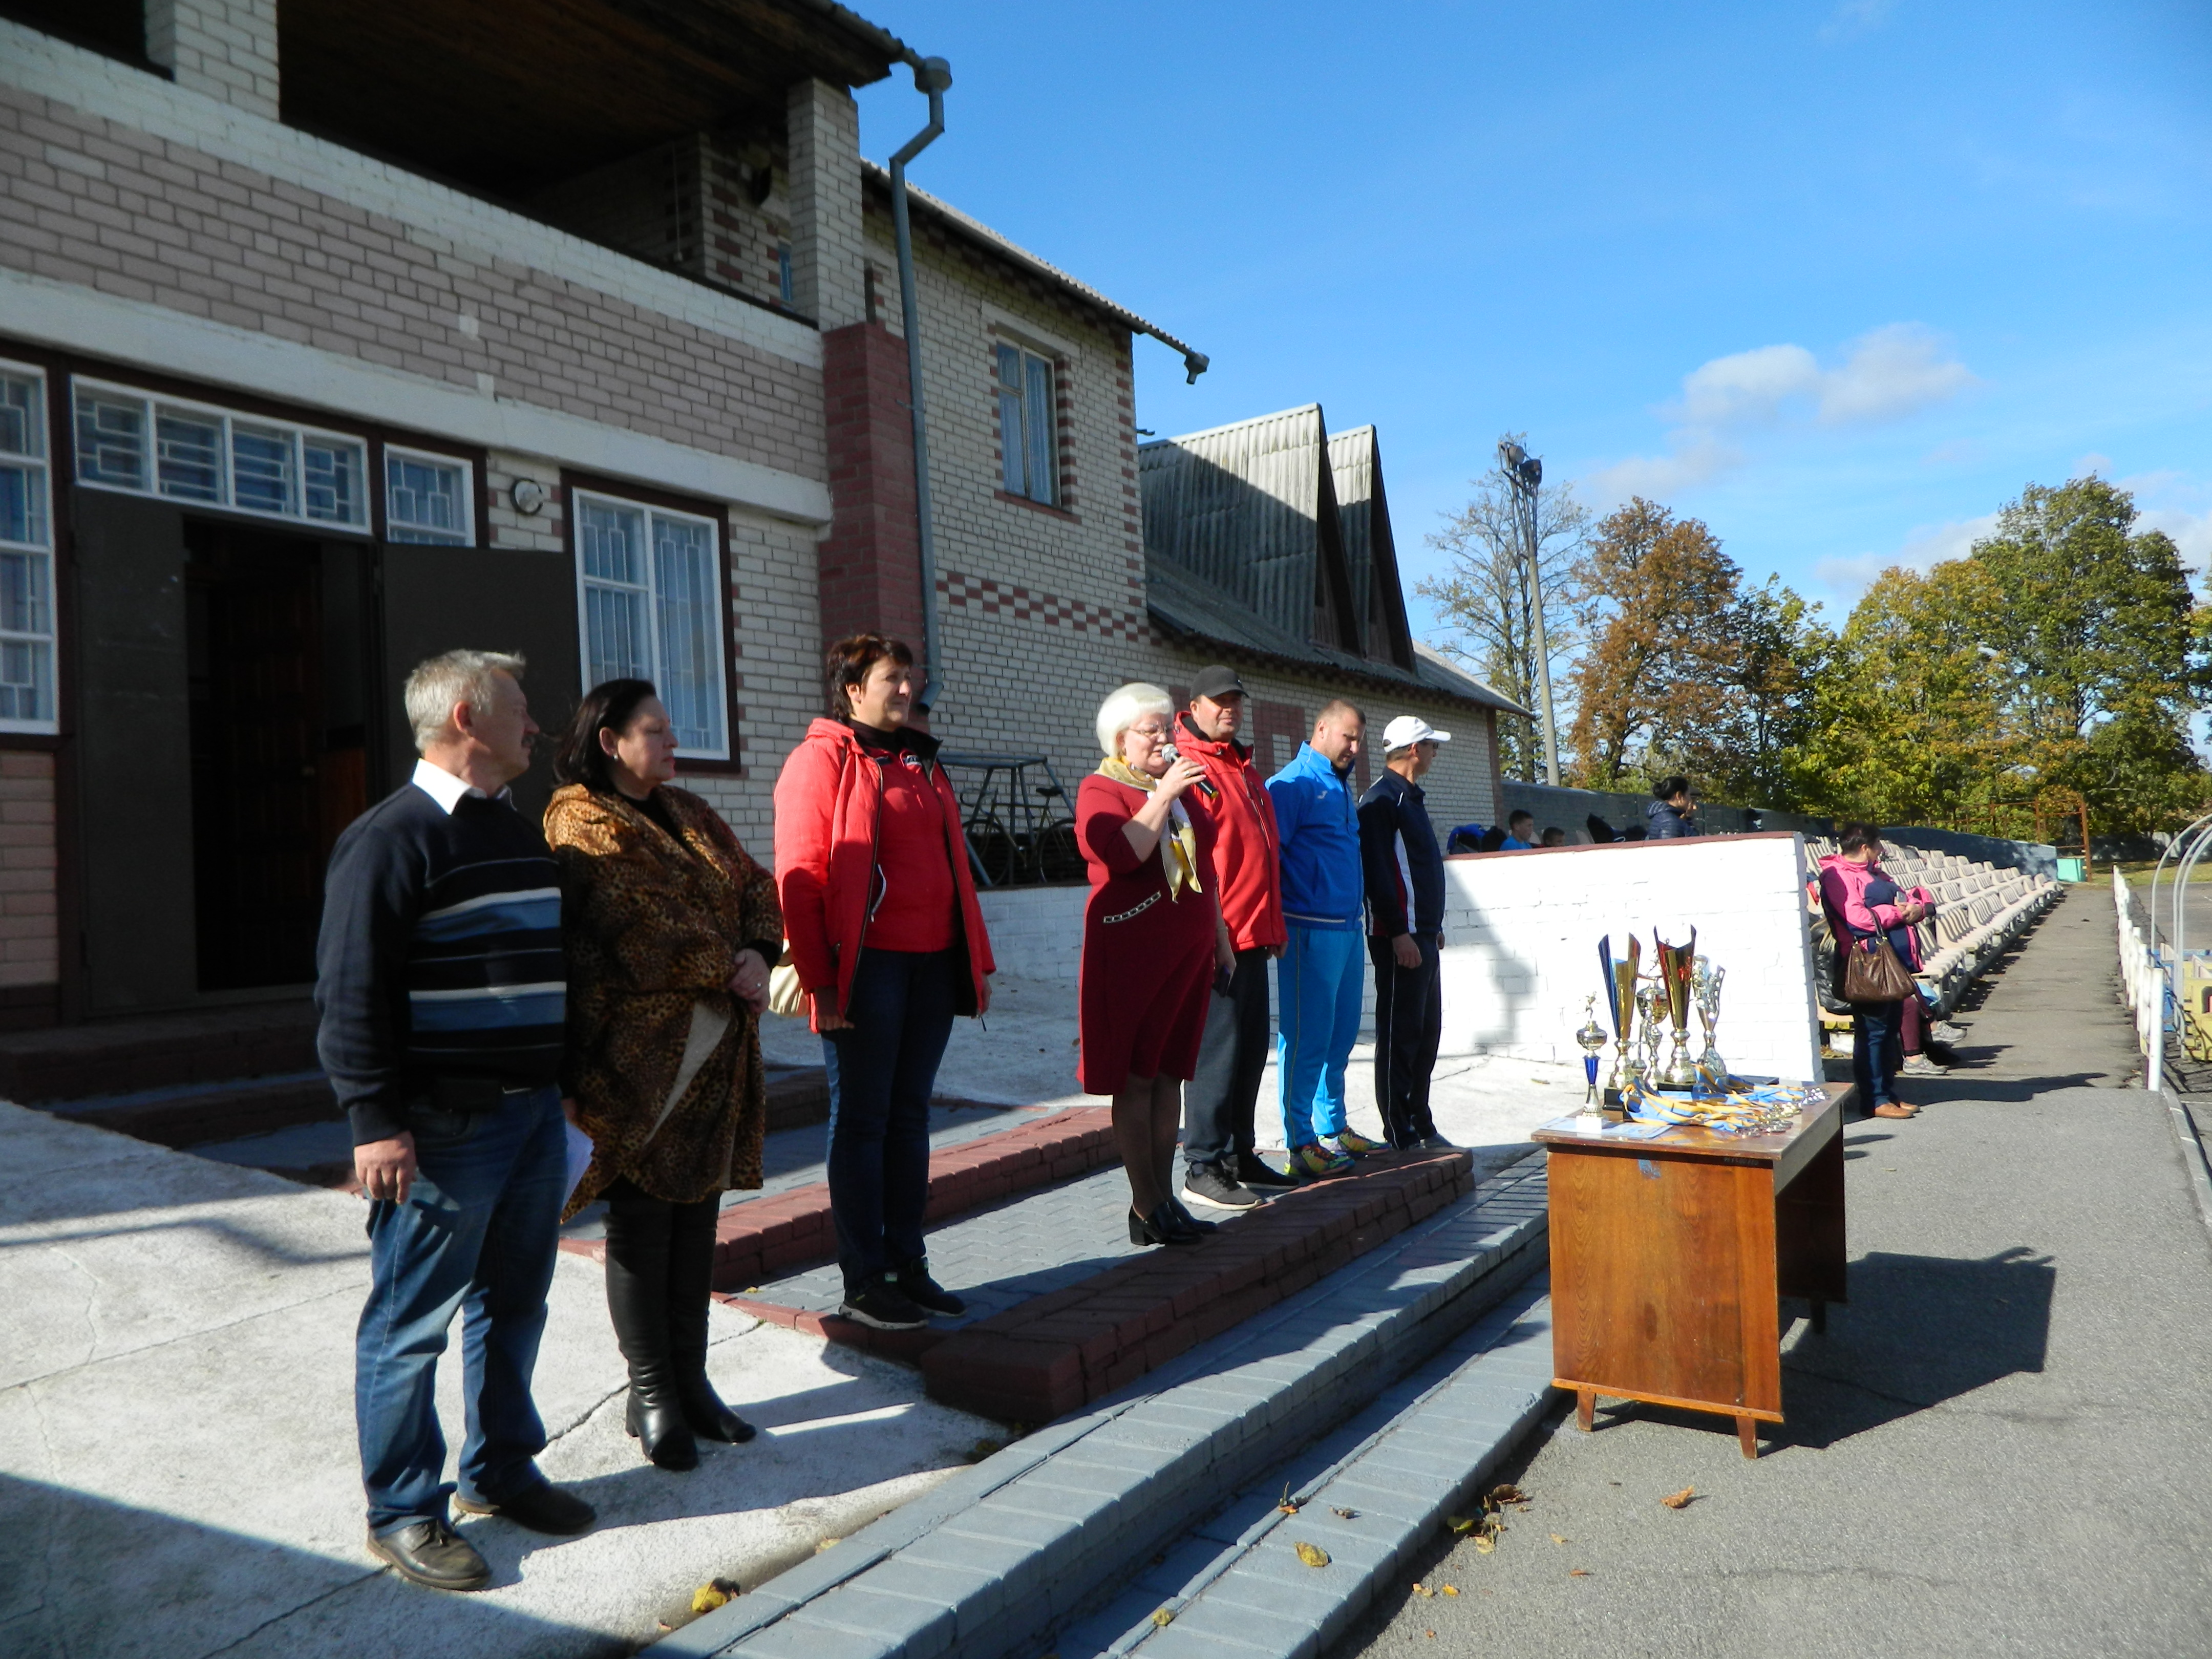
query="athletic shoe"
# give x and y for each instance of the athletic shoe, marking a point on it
(1205, 1183)
(915, 1284)
(883, 1305)
(1317, 1161)
(1352, 1144)
(1948, 1031)
(1256, 1172)
(1433, 1142)
(1919, 1066)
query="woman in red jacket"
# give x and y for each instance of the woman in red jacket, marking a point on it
(879, 906)
(1153, 944)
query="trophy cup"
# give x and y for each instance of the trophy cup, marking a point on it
(1591, 1040)
(1674, 971)
(1650, 999)
(1621, 979)
(1705, 982)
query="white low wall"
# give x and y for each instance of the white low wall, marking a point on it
(1521, 933)
(1036, 932)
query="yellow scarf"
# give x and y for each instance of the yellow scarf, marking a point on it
(1182, 868)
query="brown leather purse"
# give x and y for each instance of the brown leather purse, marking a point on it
(1872, 972)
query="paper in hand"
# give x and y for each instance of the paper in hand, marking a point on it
(579, 1156)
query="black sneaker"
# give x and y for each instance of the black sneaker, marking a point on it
(1206, 1184)
(432, 1555)
(1433, 1142)
(541, 1507)
(914, 1282)
(1256, 1172)
(882, 1305)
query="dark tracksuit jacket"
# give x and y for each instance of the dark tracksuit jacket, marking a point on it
(1404, 870)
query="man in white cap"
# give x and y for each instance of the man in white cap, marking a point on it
(1405, 879)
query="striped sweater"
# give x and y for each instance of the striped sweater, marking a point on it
(440, 962)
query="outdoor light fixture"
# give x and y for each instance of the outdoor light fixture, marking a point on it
(1524, 475)
(528, 496)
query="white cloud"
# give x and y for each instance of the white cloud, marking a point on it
(1923, 549)
(1855, 17)
(2180, 507)
(1886, 375)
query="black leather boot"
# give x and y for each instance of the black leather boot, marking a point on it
(690, 1277)
(637, 1301)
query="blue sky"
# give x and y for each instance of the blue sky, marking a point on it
(1838, 279)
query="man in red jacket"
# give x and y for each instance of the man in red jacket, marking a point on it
(1220, 1167)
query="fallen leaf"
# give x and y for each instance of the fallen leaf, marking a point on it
(1556, 1539)
(1459, 1523)
(826, 1543)
(1162, 1618)
(1681, 1500)
(1578, 1572)
(1484, 1544)
(1313, 1555)
(1432, 1636)
(706, 1598)
(1420, 1589)
(1508, 1494)
(1286, 1506)
(1448, 1589)
(1344, 1515)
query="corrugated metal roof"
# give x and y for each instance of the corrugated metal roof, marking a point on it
(1370, 553)
(977, 232)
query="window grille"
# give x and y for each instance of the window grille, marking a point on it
(426, 498)
(27, 606)
(649, 593)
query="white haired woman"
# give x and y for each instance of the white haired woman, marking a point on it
(1153, 944)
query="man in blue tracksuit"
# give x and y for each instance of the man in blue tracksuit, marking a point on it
(1321, 972)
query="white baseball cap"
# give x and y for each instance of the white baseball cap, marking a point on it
(1409, 729)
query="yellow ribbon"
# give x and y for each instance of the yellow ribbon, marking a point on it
(1182, 868)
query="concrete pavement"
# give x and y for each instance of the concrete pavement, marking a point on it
(1994, 1449)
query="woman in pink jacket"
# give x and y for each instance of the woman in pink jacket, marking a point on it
(1865, 903)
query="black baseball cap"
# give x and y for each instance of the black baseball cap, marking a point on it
(1216, 682)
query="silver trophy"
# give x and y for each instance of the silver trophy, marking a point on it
(1705, 982)
(1649, 1000)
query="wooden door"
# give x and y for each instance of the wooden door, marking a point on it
(137, 943)
(446, 598)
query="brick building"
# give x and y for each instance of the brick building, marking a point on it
(334, 336)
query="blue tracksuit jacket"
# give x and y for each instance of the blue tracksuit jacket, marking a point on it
(1319, 829)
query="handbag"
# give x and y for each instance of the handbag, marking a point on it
(1872, 972)
(785, 994)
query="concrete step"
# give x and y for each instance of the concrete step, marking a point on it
(1369, 1496)
(111, 1057)
(1041, 1535)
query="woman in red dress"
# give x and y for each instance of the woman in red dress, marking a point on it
(1153, 941)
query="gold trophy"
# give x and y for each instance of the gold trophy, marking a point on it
(1674, 971)
(1620, 979)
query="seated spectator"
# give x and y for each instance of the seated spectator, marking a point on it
(1601, 832)
(1672, 812)
(1634, 832)
(1520, 833)
(1555, 836)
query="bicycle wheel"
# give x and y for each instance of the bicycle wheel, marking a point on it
(993, 849)
(1059, 855)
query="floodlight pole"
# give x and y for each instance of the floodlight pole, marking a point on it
(1524, 474)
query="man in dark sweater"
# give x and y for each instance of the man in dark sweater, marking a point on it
(1405, 879)
(443, 995)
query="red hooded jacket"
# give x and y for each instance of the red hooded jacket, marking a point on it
(1247, 851)
(826, 801)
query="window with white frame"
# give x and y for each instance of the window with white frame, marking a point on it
(649, 595)
(1026, 425)
(26, 574)
(427, 498)
(152, 445)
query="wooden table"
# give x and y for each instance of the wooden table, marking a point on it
(1670, 1257)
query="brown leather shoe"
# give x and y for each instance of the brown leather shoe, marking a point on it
(1896, 1109)
(432, 1555)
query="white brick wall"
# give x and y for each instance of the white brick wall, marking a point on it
(1036, 932)
(823, 126)
(224, 48)
(1522, 931)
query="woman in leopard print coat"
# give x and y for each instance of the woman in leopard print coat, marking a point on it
(669, 928)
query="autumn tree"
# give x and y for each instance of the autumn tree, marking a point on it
(1488, 601)
(1684, 668)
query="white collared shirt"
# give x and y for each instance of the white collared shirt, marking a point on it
(443, 788)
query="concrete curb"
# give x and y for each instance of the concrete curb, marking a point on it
(1038, 1535)
(2189, 1138)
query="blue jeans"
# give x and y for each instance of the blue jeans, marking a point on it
(476, 1233)
(881, 1074)
(1877, 1050)
(1318, 982)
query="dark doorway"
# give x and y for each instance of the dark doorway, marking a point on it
(275, 661)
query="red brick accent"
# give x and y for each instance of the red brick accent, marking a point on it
(768, 1237)
(870, 563)
(996, 599)
(1055, 1353)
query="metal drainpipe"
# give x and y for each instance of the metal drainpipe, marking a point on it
(930, 76)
